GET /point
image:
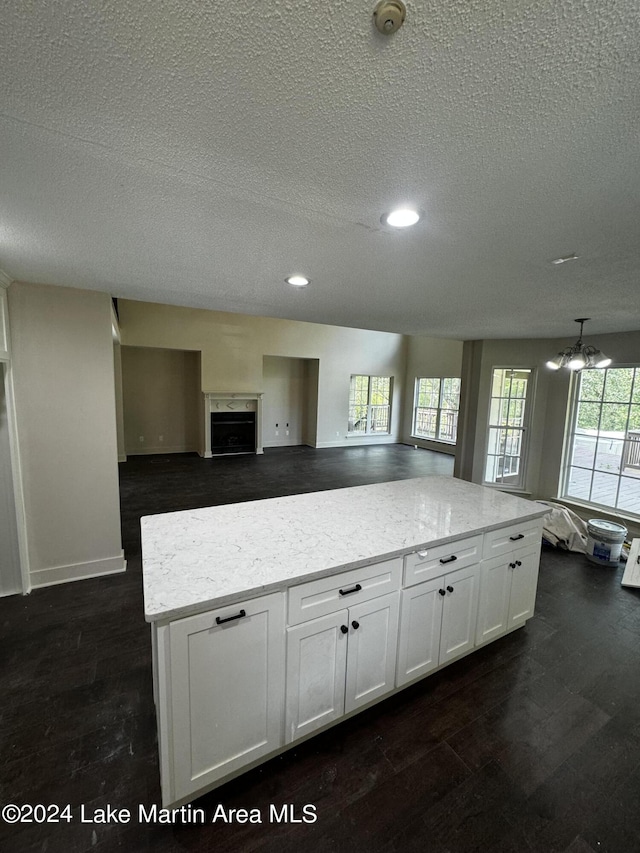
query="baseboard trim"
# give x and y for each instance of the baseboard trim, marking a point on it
(436, 446)
(78, 571)
(358, 442)
(160, 450)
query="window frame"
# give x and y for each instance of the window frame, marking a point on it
(568, 444)
(439, 409)
(370, 406)
(519, 485)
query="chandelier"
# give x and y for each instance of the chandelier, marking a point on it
(580, 355)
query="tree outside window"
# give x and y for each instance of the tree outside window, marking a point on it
(603, 442)
(369, 404)
(435, 413)
(509, 412)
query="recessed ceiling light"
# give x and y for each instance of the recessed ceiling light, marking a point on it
(401, 218)
(565, 258)
(297, 280)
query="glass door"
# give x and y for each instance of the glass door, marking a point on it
(509, 412)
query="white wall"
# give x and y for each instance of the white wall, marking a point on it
(233, 347)
(63, 371)
(428, 357)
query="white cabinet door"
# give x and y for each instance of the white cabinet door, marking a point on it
(524, 582)
(340, 662)
(459, 613)
(316, 662)
(507, 593)
(371, 651)
(495, 591)
(420, 623)
(227, 690)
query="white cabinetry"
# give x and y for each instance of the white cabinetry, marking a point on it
(224, 706)
(346, 659)
(430, 563)
(507, 593)
(509, 579)
(438, 622)
(460, 607)
(237, 685)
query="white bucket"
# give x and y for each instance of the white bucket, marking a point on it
(604, 541)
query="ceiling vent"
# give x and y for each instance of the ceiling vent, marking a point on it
(389, 15)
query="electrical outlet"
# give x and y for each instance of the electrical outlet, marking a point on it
(160, 438)
(141, 439)
(286, 432)
(277, 432)
(338, 433)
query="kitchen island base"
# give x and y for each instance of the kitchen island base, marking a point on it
(239, 680)
(165, 758)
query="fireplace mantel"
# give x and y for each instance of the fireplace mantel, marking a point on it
(226, 401)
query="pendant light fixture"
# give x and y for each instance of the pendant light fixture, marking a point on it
(579, 356)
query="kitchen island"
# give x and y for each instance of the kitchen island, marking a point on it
(274, 619)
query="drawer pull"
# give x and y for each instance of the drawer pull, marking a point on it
(512, 565)
(518, 563)
(355, 588)
(220, 621)
(355, 625)
(450, 559)
(449, 589)
(518, 536)
(442, 592)
(422, 554)
(344, 629)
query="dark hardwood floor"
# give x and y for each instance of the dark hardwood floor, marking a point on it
(530, 744)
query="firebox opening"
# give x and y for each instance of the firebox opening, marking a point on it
(233, 432)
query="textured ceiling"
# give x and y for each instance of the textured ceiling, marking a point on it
(196, 153)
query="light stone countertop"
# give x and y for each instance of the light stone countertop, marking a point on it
(198, 559)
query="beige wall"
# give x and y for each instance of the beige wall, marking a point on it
(161, 400)
(285, 401)
(551, 403)
(310, 423)
(233, 347)
(428, 357)
(117, 371)
(10, 578)
(63, 374)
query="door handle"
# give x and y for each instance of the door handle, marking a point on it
(355, 588)
(220, 621)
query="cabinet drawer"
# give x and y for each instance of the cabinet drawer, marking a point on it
(433, 562)
(327, 595)
(523, 535)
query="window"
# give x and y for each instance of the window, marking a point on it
(602, 448)
(508, 419)
(435, 410)
(369, 404)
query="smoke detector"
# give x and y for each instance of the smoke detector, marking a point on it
(389, 15)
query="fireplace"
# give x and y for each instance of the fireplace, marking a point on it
(233, 432)
(232, 423)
